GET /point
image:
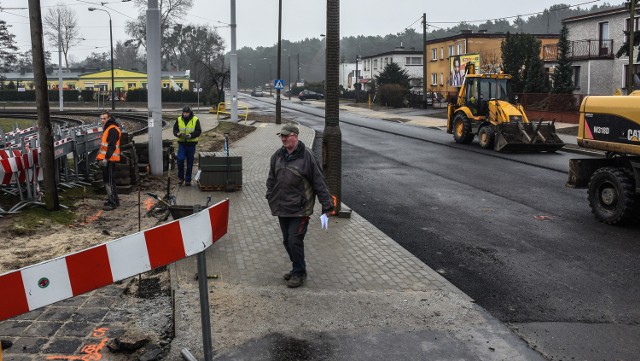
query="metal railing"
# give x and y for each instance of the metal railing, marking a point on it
(581, 50)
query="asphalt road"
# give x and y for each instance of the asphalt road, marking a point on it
(502, 228)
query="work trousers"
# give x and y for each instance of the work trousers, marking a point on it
(186, 151)
(110, 184)
(293, 231)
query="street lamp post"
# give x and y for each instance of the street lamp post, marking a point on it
(356, 84)
(113, 90)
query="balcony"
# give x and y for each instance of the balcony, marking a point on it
(582, 50)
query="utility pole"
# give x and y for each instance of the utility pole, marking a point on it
(332, 136)
(233, 59)
(289, 66)
(60, 92)
(154, 88)
(632, 30)
(298, 80)
(424, 59)
(42, 101)
(356, 84)
(278, 101)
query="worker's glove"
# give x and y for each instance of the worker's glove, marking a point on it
(179, 135)
(102, 163)
(324, 221)
(187, 136)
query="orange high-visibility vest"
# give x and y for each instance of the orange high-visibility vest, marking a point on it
(115, 157)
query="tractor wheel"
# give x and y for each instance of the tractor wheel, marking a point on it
(462, 129)
(611, 196)
(486, 136)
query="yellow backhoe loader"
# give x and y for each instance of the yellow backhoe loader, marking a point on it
(484, 107)
(610, 124)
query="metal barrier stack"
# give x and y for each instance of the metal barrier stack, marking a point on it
(20, 160)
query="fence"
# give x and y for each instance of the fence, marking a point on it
(561, 107)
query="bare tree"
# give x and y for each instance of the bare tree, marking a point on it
(61, 20)
(170, 11)
(127, 57)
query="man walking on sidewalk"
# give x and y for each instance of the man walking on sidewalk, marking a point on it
(108, 156)
(187, 129)
(295, 179)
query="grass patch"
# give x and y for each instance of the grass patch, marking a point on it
(7, 124)
(31, 219)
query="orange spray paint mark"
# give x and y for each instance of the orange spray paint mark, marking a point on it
(91, 351)
(91, 219)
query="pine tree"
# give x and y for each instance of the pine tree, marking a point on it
(392, 74)
(8, 48)
(518, 51)
(563, 74)
(536, 81)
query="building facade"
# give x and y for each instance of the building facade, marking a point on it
(594, 40)
(409, 60)
(123, 80)
(482, 48)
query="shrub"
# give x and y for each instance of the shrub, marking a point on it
(392, 95)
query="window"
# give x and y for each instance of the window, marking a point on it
(603, 38)
(626, 28)
(441, 78)
(165, 85)
(71, 86)
(459, 49)
(386, 61)
(144, 85)
(131, 85)
(375, 64)
(451, 50)
(434, 79)
(441, 53)
(576, 77)
(434, 54)
(413, 60)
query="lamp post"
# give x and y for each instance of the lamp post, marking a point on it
(113, 90)
(356, 84)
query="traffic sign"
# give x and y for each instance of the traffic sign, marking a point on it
(278, 84)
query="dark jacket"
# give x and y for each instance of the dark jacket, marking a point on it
(294, 181)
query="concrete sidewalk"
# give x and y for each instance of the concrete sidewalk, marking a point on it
(366, 297)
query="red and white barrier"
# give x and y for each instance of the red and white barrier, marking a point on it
(48, 282)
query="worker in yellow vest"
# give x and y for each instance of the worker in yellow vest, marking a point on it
(187, 129)
(108, 155)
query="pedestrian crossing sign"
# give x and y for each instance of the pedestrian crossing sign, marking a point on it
(278, 84)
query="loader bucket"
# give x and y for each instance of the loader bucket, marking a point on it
(527, 137)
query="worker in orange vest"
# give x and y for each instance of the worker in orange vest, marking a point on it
(108, 155)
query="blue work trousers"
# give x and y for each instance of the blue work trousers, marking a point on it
(186, 151)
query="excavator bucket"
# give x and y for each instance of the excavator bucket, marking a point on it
(527, 137)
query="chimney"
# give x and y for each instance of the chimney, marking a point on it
(466, 31)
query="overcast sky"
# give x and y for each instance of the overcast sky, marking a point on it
(258, 19)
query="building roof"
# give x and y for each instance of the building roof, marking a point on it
(106, 74)
(481, 35)
(598, 14)
(396, 51)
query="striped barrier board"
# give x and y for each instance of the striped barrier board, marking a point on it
(64, 277)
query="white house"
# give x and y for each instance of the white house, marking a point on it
(594, 40)
(409, 60)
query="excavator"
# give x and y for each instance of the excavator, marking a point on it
(610, 124)
(484, 107)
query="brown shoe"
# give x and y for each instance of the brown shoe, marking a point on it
(295, 281)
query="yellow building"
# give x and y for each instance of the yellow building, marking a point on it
(482, 47)
(123, 80)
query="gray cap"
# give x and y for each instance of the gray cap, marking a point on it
(288, 129)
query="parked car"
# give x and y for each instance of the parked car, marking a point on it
(257, 92)
(308, 94)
